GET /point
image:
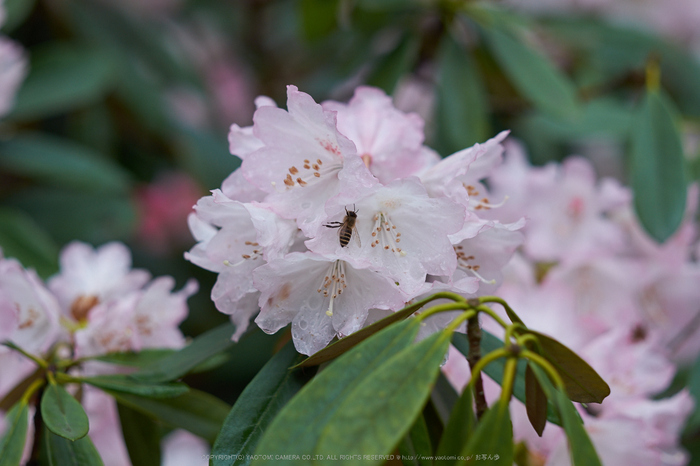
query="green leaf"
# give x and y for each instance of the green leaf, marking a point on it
(318, 18)
(143, 358)
(417, 444)
(537, 79)
(462, 116)
(62, 163)
(14, 395)
(141, 436)
(535, 402)
(125, 384)
(395, 64)
(580, 446)
(15, 435)
(657, 169)
(693, 421)
(444, 398)
(381, 408)
(23, 239)
(62, 77)
(181, 362)
(63, 414)
(459, 428)
(195, 411)
(63, 452)
(582, 382)
(493, 436)
(345, 344)
(495, 369)
(16, 12)
(255, 408)
(320, 399)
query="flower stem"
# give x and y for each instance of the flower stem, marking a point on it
(508, 379)
(36, 359)
(547, 366)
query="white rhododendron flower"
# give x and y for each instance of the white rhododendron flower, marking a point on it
(382, 219)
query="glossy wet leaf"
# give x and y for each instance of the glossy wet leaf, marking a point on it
(319, 400)
(582, 382)
(657, 169)
(537, 79)
(181, 362)
(255, 408)
(195, 411)
(124, 384)
(459, 427)
(62, 414)
(64, 452)
(535, 402)
(493, 435)
(15, 435)
(141, 436)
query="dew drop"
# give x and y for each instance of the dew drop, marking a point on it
(303, 324)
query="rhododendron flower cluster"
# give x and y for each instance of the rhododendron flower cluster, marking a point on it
(97, 304)
(589, 276)
(273, 231)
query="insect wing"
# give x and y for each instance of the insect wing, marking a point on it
(356, 235)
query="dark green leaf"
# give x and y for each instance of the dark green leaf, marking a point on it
(461, 114)
(15, 435)
(394, 65)
(23, 239)
(582, 382)
(16, 12)
(459, 428)
(143, 358)
(62, 413)
(493, 436)
(255, 408)
(63, 452)
(657, 169)
(62, 163)
(417, 444)
(318, 17)
(693, 421)
(495, 369)
(195, 411)
(62, 77)
(141, 436)
(320, 399)
(444, 398)
(125, 384)
(533, 74)
(535, 402)
(580, 445)
(344, 344)
(181, 362)
(381, 408)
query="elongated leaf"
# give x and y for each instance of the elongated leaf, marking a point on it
(318, 18)
(657, 169)
(141, 435)
(339, 347)
(693, 421)
(62, 77)
(62, 163)
(124, 384)
(62, 413)
(255, 408)
(23, 239)
(461, 105)
(320, 399)
(537, 79)
(63, 452)
(14, 395)
(535, 402)
(143, 358)
(15, 436)
(582, 382)
(495, 369)
(417, 444)
(394, 65)
(580, 446)
(493, 436)
(16, 12)
(381, 408)
(195, 411)
(459, 428)
(444, 398)
(181, 362)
